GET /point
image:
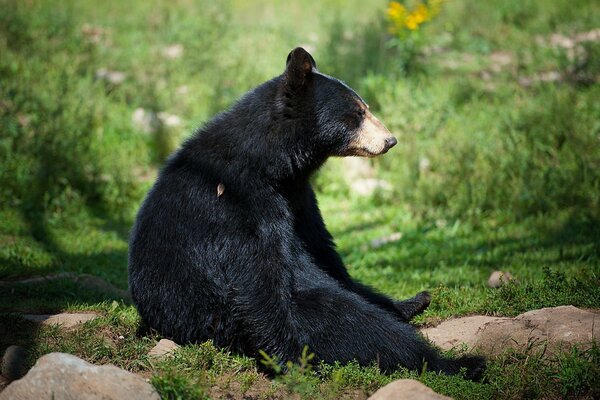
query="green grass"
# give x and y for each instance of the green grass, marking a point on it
(489, 173)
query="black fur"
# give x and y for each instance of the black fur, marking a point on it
(230, 245)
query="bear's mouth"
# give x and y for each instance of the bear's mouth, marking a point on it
(371, 139)
(363, 152)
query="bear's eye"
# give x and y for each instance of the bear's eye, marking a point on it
(354, 118)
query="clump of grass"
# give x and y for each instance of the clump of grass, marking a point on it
(553, 290)
(173, 386)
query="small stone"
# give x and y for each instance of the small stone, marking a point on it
(182, 90)
(14, 362)
(112, 77)
(147, 121)
(406, 389)
(366, 187)
(590, 36)
(173, 51)
(163, 348)
(66, 320)
(501, 58)
(64, 376)
(424, 165)
(393, 237)
(169, 120)
(355, 168)
(499, 278)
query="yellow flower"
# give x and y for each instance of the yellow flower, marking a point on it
(411, 22)
(401, 18)
(421, 13)
(396, 11)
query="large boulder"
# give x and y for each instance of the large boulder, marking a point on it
(61, 376)
(558, 328)
(406, 389)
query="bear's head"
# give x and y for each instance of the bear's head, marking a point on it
(338, 120)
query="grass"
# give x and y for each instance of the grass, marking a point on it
(494, 170)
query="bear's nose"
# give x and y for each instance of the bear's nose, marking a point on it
(390, 142)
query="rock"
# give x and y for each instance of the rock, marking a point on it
(424, 165)
(14, 363)
(366, 187)
(392, 237)
(406, 389)
(355, 168)
(163, 348)
(169, 120)
(112, 77)
(64, 376)
(549, 76)
(590, 36)
(360, 176)
(558, 328)
(95, 34)
(147, 121)
(499, 278)
(173, 51)
(66, 320)
(501, 58)
(458, 331)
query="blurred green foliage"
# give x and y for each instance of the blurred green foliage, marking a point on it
(467, 144)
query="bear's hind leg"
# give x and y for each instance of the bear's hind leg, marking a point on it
(341, 326)
(407, 309)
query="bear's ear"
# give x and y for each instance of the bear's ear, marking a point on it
(298, 66)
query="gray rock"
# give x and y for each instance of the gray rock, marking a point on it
(382, 241)
(366, 187)
(499, 278)
(173, 51)
(355, 168)
(163, 348)
(14, 362)
(112, 77)
(557, 329)
(66, 320)
(62, 376)
(406, 389)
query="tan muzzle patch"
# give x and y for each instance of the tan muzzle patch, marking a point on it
(372, 138)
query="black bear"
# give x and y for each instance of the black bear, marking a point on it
(230, 245)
